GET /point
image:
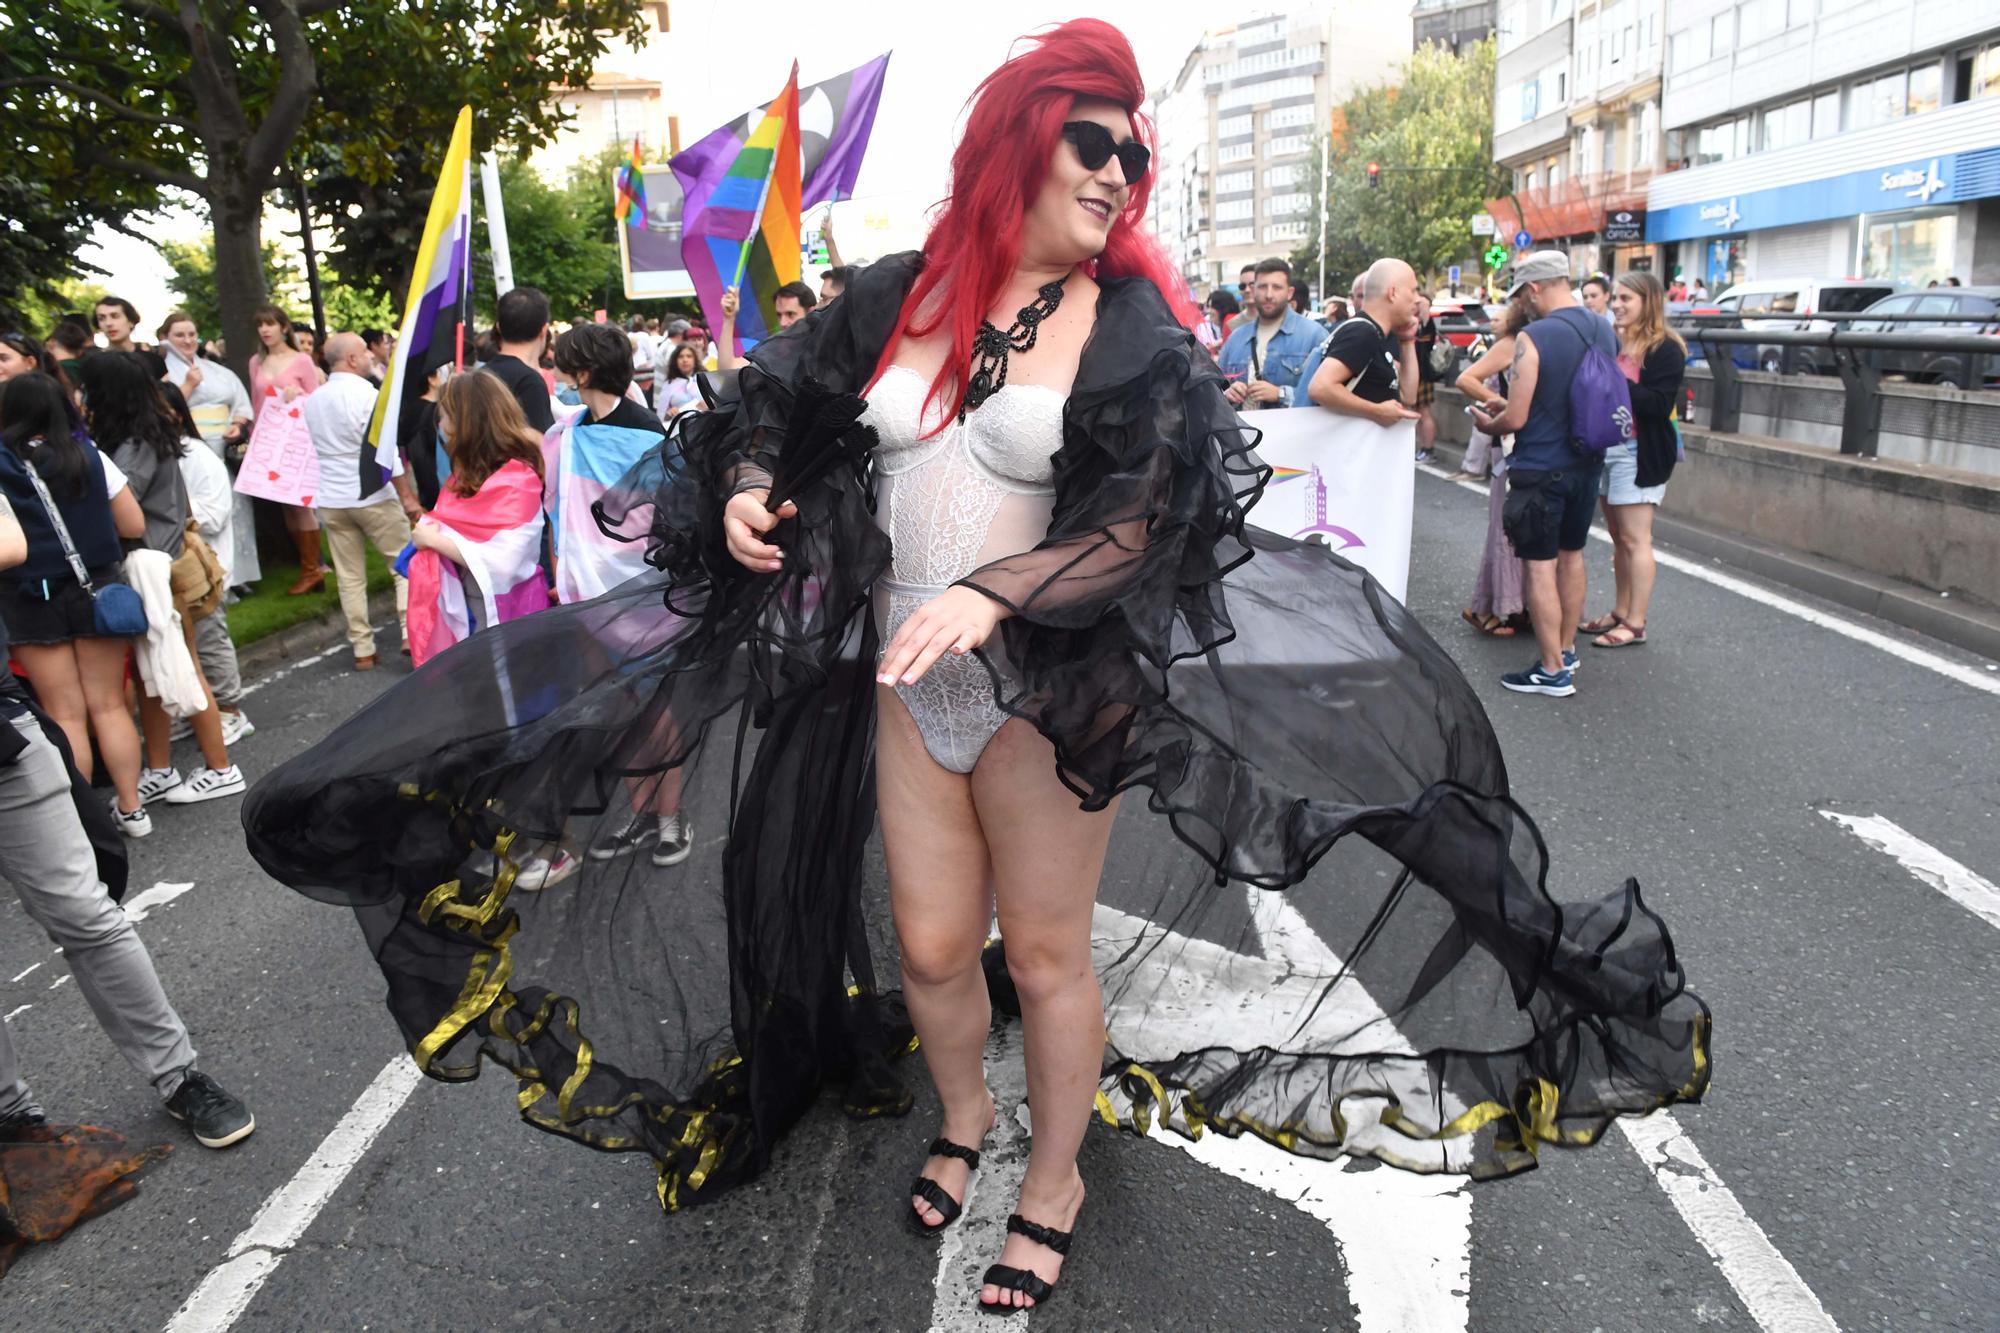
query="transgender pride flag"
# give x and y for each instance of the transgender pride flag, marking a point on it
(438, 308)
(583, 459)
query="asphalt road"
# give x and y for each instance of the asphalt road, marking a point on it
(1855, 1115)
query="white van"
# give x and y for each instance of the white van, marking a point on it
(1789, 303)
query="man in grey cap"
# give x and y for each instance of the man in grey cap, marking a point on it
(1551, 483)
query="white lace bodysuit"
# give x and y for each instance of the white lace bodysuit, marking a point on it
(975, 492)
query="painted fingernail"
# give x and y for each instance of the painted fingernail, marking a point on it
(885, 680)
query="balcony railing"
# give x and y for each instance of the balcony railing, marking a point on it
(1576, 207)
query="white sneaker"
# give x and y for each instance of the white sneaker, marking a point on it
(137, 824)
(181, 730)
(208, 784)
(538, 872)
(157, 782)
(235, 727)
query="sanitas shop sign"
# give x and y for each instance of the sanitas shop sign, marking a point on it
(1918, 183)
(1945, 179)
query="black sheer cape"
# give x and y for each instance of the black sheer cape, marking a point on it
(1324, 921)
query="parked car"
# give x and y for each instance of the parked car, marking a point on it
(1975, 310)
(1790, 303)
(1457, 309)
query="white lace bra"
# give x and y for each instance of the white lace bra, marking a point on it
(944, 500)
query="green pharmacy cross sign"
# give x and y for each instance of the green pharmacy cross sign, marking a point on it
(1496, 255)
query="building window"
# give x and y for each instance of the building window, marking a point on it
(1234, 182)
(1279, 205)
(1983, 73)
(1235, 210)
(1926, 88)
(1289, 143)
(1232, 127)
(1826, 115)
(1235, 236)
(1914, 247)
(1786, 125)
(1289, 117)
(1235, 152)
(1722, 31)
(1284, 231)
(1279, 177)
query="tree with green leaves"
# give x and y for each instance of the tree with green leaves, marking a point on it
(111, 103)
(194, 288)
(1432, 135)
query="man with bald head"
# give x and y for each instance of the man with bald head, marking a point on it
(357, 506)
(1368, 367)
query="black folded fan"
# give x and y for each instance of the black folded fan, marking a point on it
(823, 433)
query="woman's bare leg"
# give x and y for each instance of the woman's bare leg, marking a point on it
(940, 891)
(58, 680)
(101, 663)
(1048, 855)
(1634, 543)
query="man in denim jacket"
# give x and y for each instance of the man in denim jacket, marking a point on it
(1262, 358)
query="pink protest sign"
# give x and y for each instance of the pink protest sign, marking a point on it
(280, 463)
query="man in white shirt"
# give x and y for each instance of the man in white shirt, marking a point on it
(354, 507)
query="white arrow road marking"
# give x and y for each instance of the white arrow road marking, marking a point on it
(162, 893)
(1975, 894)
(256, 1252)
(1771, 1289)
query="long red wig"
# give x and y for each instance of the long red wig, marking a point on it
(1011, 132)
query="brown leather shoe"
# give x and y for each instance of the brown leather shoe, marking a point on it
(365, 663)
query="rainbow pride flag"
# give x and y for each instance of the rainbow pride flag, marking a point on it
(632, 190)
(749, 228)
(1279, 474)
(437, 311)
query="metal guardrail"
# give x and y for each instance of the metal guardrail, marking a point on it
(1861, 379)
(1860, 376)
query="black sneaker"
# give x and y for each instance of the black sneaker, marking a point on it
(642, 829)
(676, 840)
(216, 1118)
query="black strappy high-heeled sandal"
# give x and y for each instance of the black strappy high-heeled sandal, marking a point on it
(932, 1193)
(1028, 1283)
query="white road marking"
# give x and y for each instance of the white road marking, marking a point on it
(974, 1241)
(18, 976)
(1908, 654)
(59, 981)
(12, 1014)
(1974, 893)
(300, 665)
(1770, 1288)
(141, 906)
(256, 1252)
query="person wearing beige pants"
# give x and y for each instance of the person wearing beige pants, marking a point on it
(357, 505)
(350, 532)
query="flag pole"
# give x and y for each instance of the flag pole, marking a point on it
(757, 220)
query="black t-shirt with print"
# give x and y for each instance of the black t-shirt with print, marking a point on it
(1370, 357)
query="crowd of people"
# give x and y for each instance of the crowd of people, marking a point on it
(1379, 356)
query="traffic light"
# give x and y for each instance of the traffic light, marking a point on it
(1374, 175)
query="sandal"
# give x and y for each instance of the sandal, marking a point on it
(1604, 624)
(1490, 625)
(1028, 1283)
(932, 1193)
(1635, 636)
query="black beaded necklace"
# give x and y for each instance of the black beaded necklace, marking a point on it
(991, 347)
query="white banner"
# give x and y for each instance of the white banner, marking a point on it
(1343, 482)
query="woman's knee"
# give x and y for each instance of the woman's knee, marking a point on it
(1044, 967)
(937, 957)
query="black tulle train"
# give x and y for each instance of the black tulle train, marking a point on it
(1324, 921)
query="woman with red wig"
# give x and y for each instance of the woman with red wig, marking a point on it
(967, 547)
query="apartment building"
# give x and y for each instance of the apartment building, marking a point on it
(1817, 138)
(1576, 116)
(1239, 122)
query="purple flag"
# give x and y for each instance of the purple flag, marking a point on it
(835, 120)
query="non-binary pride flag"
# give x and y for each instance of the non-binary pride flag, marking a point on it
(835, 119)
(632, 190)
(438, 309)
(748, 233)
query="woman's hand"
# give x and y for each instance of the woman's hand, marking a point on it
(956, 621)
(744, 522)
(291, 391)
